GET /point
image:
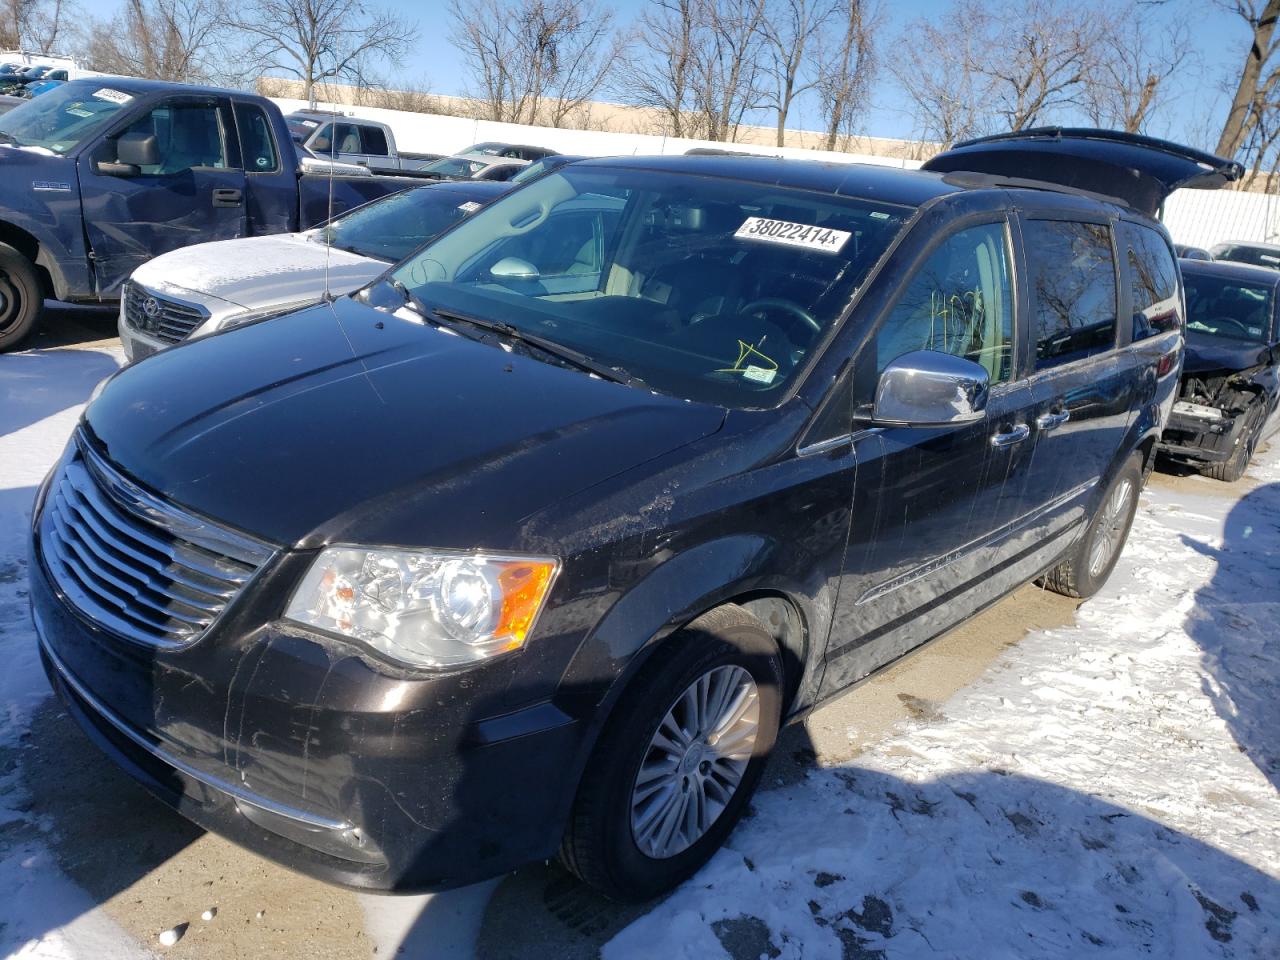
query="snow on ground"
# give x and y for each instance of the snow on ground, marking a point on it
(1107, 790)
(42, 914)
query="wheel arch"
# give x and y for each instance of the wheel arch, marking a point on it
(29, 245)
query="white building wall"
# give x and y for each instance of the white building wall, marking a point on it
(1202, 218)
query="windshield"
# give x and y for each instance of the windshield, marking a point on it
(392, 228)
(1221, 307)
(703, 288)
(537, 169)
(63, 117)
(455, 167)
(1244, 253)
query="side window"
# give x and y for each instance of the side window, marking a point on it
(187, 135)
(375, 141)
(346, 138)
(256, 142)
(1153, 280)
(322, 142)
(1073, 289)
(959, 302)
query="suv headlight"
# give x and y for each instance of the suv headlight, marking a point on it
(425, 608)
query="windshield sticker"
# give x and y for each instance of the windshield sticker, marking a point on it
(112, 96)
(78, 111)
(1255, 331)
(792, 234)
(470, 206)
(753, 371)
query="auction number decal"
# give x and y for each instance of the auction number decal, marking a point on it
(793, 234)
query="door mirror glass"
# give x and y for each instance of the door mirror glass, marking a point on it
(926, 388)
(137, 149)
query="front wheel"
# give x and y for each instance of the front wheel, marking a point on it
(1233, 468)
(21, 298)
(1084, 571)
(679, 759)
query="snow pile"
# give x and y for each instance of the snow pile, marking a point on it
(1108, 790)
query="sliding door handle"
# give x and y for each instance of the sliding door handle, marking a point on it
(1008, 438)
(1047, 421)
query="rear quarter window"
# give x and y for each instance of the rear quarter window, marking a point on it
(1073, 289)
(1153, 280)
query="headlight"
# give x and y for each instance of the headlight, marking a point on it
(425, 608)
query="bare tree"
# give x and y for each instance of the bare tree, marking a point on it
(1008, 65)
(790, 30)
(1258, 73)
(178, 40)
(1137, 59)
(322, 40)
(538, 61)
(38, 25)
(727, 66)
(658, 72)
(845, 66)
(937, 67)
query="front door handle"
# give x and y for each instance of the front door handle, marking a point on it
(1048, 421)
(227, 197)
(1008, 438)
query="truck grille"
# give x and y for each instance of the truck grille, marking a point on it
(134, 564)
(162, 318)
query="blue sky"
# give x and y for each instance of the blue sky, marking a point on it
(1196, 114)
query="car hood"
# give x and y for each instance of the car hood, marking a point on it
(341, 423)
(257, 272)
(1208, 354)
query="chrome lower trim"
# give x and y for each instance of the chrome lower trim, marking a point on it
(234, 791)
(986, 540)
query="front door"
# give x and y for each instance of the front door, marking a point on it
(933, 507)
(193, 194)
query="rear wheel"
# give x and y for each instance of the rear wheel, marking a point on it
(1087, 567)
(1232, 469)
(679, 759)
(21, 298)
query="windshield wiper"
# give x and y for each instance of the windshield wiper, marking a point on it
(7, 137)
(558, 350)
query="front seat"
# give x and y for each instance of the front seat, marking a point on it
(193, 141)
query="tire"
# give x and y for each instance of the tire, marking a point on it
(21, 297)
(613, 840)
(1086, 568)
(1232, 469)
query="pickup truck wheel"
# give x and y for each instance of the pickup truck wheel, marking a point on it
(679, 759)
(21, 298)
(1232, 469)
(1090, 562)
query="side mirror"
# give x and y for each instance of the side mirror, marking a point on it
(513, 268)
(138, 149)
(930, 389)
(321, 144)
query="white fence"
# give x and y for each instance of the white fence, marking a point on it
(1202, 218)
(432, 133)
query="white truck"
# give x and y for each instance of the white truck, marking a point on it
(347, 139)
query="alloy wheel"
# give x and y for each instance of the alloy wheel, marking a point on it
(695, 761)
(1111, 527)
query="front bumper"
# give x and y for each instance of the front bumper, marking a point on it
(1200, 437)
(311, 758)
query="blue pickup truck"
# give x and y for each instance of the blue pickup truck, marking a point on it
(105, 173)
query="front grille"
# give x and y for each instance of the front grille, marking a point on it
(162, 318)
(132, 563)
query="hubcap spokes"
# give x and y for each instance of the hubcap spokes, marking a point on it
(695, 762)
(1110, 528)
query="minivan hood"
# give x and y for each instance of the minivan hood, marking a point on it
(257, 272)
(1210, 354)
(341, 423)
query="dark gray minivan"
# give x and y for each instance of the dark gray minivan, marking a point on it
(530, 546)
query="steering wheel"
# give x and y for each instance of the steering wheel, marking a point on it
(788, 307)
(1217, 321)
